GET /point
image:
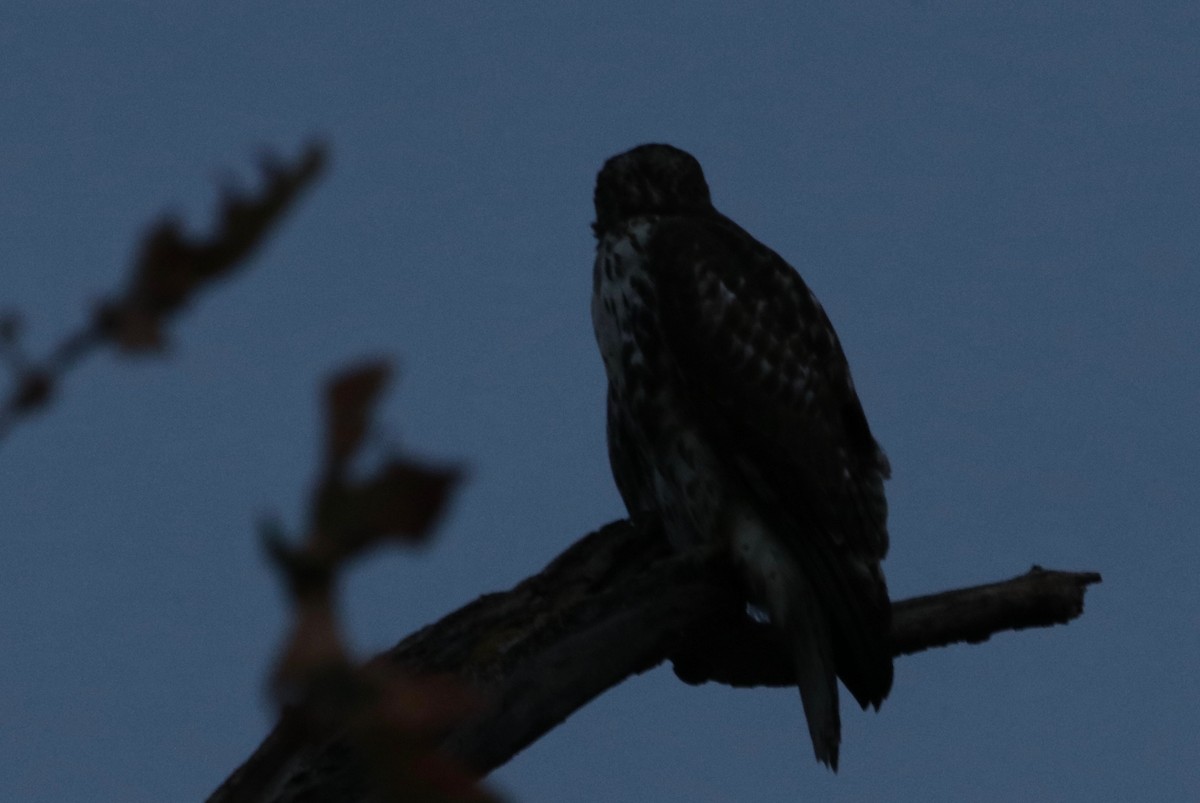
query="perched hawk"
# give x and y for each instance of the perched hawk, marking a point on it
(732, 417)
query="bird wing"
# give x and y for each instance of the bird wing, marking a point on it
(766, 377)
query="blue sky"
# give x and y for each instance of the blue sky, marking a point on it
(997, 207)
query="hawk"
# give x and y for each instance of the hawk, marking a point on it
(733, 419)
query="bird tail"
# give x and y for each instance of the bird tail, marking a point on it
(778, 584)
(806, 628)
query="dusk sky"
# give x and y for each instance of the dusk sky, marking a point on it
(998, 207)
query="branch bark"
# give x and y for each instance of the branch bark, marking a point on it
(616, 603)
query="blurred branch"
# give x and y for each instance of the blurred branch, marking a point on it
(393, 723)
(172, 267)
(616, 603)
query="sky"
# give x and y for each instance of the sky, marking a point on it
(996, 203)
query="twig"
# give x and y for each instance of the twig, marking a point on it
(171, 269)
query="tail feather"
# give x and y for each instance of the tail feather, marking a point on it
(854, 598)
(816, 677)
(792, 602)
(851, 591)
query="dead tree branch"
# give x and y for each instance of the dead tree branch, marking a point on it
(616, 603)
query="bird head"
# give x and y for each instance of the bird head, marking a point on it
(649, 180)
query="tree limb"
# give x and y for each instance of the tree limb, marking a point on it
(616, 603)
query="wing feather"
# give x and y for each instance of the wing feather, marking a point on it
(769, 373)
(767, 379)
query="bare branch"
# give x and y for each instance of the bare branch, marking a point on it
(615, 604)
(740, 652)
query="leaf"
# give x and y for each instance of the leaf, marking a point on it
(402, 501)
(350, 399)
(172, 266)
(34, 388)
(405, 499)
(132, 328)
